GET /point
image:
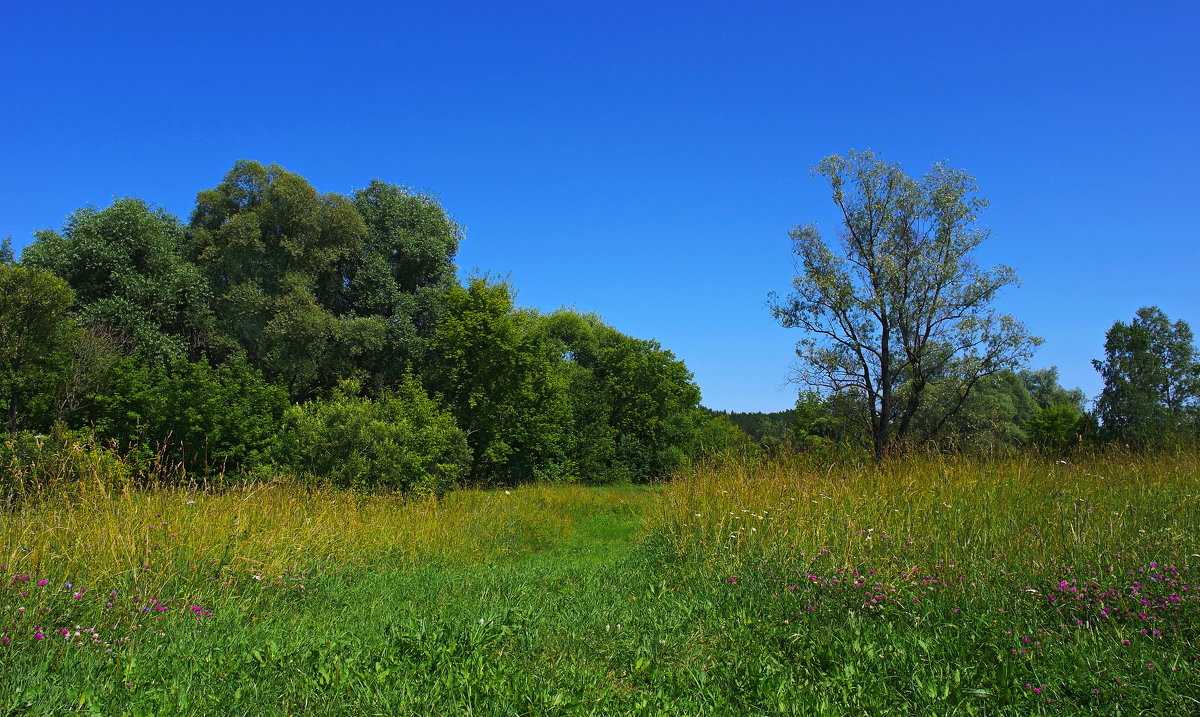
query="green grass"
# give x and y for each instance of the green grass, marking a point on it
(577, 600)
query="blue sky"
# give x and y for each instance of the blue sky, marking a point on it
(645, 161)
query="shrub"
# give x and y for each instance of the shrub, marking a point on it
(211, 419)
(1058, 427)
(401, 441)
(33, 465)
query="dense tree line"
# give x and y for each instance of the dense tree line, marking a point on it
(324, 334)
(327, 335)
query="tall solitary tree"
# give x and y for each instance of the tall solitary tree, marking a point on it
(900, 305)
(1151, 377)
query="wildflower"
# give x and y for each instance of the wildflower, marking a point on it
(41, 582)
(38, 636)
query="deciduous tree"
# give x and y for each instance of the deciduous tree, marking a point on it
(1151, 377)
(319, 288)
(128, 267)
(634, 407)
(504, 383)
(900, 304)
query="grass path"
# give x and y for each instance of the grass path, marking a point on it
(551, 627)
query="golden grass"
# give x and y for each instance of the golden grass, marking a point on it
(151, 538)
(1027, 512)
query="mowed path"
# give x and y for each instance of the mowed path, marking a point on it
(584, 618)
(548, 630)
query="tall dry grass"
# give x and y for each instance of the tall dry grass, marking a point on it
(177, 540)
(1025, 513)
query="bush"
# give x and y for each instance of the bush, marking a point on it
(1058, 427)
(33, 465)
(401, 441)
(210, 419)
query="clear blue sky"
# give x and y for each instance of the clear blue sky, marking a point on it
(646, 160)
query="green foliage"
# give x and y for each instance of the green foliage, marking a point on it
(592, 439)
(812, 415)
(1044, 388)
(717, 435)
(37, 333)
(38, 466)
(289, 293)
(989, 416)
(769, 430)
(826, 428)
(504, 383)
(1060, 421)
(211, 419)
(401, 441)
(1001, 412)
(268, 244)
(318, 288)
(1059, 427)
(1151, 379)
(130, 274)
(412, 237)
(633, 404)
(558, 396)
(653, 399)
(902, 305)
(395, 285)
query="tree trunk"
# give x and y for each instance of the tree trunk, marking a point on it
(13, 397)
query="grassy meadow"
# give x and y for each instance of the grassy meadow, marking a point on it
(928, 586)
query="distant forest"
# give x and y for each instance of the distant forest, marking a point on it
(772, 429)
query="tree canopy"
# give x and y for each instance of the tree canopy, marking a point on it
(326, 335)
(128, 268)
(36, 336)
